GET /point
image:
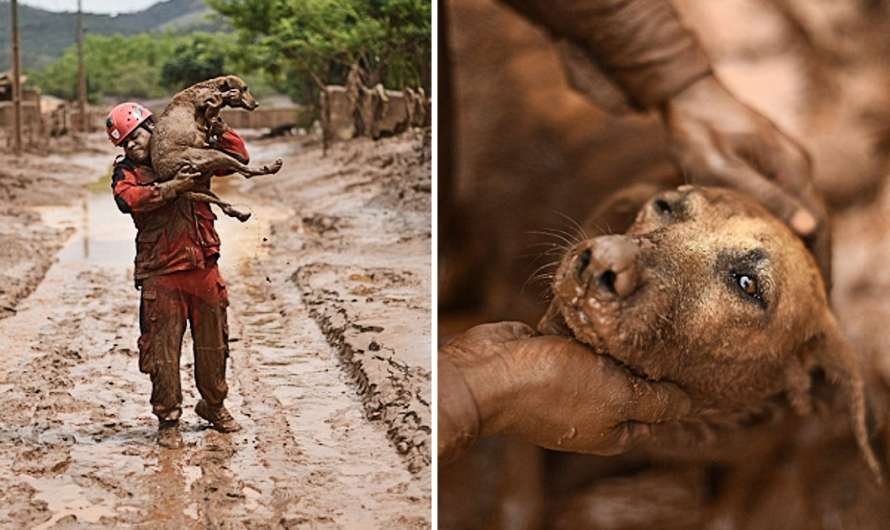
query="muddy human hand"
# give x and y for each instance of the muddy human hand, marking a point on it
(720, 141)
(217, 127)
(183, 180)
(187, 173)
(557, 393)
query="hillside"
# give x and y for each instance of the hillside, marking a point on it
(45, 34)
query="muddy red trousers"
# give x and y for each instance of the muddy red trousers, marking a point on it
(197, 297)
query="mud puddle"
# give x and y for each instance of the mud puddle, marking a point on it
(104, 236)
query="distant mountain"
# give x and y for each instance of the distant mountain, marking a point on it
(45, 35)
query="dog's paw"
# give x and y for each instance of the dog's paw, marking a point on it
(273, 167)
(215, 101)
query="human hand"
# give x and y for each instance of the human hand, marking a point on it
(556, 393)
(217, 127)
(187, 173)
(720, 141)
(184, 180)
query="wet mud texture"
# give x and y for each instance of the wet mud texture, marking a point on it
(28, 247)
(77, 437)
(371, 298)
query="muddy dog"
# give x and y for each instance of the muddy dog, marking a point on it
(184, 135)
(708, 290)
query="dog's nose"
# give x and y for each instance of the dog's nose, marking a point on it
(610, 262)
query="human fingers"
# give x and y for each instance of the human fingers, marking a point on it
(786, 163)
(624, 395)
(575, 399)
(720, 141)
(777, 157)
(653, 402)
(187, 172)
(707, 162)
(498, 332)
(484, 356)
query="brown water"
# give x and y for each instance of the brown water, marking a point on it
(106, 237)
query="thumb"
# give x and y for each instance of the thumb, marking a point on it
(780, 203)
(656, 402)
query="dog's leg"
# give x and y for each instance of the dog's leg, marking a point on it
(210, 197)
(210, 162)
(248, 171)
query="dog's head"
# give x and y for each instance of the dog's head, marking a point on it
(235, 93)
(707, 289)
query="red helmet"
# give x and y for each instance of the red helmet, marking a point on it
(123, 119)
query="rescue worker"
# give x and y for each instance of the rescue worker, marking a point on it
(177, 249)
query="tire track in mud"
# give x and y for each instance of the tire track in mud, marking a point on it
(360, 254)
(78, 440)
(345, 473)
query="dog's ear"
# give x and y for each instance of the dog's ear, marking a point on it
(231, 83)
(222, 83)
(829, 354)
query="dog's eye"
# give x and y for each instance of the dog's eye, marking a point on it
(748, 284)
(663, 207)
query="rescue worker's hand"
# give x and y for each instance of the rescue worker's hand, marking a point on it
(217, 127)
(184, 180)
(718, 140)
(556, 393)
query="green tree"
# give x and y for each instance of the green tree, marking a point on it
(143, 66)
(195, 58)
(116, 66)
(306, 44)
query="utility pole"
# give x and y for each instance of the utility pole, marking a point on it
(16, 78)
(81, 73)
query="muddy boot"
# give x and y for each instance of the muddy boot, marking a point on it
(220, 418)
(169, 436)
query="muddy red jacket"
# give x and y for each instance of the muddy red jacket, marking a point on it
(172, 234)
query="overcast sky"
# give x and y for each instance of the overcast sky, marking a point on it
(92, 6)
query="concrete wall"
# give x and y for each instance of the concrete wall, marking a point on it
(348, 112)
(263, 118)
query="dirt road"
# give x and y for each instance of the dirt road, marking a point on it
(330, 367)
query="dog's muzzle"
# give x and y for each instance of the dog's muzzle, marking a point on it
(609, 263)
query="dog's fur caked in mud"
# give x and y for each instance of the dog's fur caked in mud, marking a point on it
(185, 132)
(706, 289)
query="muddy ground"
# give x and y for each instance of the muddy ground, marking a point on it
(330, 360)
